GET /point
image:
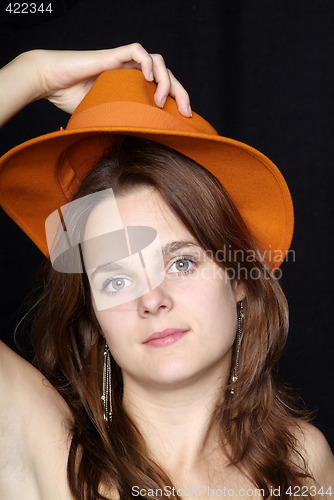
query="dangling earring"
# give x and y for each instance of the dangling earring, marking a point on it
(106, 395)
(238, 344)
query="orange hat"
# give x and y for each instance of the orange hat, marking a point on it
(33, 184)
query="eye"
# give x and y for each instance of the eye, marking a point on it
(182, 265)
(116, 284)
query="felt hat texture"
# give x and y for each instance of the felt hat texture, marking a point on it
(34, 183)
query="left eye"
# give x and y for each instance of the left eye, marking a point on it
(181, 265)
(117, 284)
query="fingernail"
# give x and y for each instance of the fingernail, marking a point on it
(163, 102)
(151, 76)
(189, 110)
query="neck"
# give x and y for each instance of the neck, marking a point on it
(176, 422)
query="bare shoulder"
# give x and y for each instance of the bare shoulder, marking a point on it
(26, 397)
(34, 431)
(20, 382)
(317, 453)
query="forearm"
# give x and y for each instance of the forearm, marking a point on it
(19, 86)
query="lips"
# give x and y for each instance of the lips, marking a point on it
(165, 337)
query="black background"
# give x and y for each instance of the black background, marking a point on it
(261, 72)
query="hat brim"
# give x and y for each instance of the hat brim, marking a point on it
(30, 189)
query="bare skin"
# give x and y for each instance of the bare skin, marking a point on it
(33, 433)
(34, 442)
(34, 419)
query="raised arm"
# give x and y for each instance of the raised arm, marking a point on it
(64, 77)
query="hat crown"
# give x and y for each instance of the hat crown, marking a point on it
(125, 98)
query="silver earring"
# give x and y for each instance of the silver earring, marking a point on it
(238, 344)
(106, 390)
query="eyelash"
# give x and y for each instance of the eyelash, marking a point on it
(194, 262)
(109, 280)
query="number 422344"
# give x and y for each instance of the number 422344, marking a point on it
(28, 8)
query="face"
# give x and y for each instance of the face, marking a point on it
(184, 327)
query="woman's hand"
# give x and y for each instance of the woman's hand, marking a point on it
(65, 77)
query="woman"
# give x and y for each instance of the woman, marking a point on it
(189, 399)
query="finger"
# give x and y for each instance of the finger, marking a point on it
(180, 95)
(169, 85)
(135, 56)
(161, 76)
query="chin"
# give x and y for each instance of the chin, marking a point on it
(174, 376)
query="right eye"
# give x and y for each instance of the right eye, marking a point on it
(116, 285)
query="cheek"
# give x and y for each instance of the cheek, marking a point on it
(115, 319)
(116, 328)
(104, 319)
(209, 293)
(114, 324)
(216, 305)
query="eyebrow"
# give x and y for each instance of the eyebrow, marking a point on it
(173, 246)
(110, 266)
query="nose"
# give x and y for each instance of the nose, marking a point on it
(156, 301)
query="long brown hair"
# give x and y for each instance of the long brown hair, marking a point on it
(258, 421)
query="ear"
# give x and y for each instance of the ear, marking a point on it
(239, 290)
